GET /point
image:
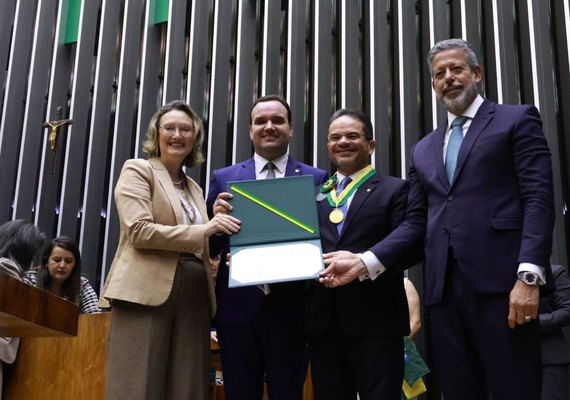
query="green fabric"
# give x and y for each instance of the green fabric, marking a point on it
(161, 11)
(415, 367)
(72, 21)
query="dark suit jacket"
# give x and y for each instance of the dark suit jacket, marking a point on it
(497, 212)
(367, 308)
(240, 305)
(554, 313)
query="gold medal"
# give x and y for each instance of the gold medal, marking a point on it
(336, 216)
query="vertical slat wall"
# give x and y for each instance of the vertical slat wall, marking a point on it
(219, 56)
(96, 190)
(378, 76)
(246, 83)
(124, 127)
(32, 138)
(219, 116)
(51, 187)
(16, 54)
(321, 80)
(296, 78)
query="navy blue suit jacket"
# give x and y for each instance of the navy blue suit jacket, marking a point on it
(238, 306)
(554, 314)
(367, 308)
(497, 212)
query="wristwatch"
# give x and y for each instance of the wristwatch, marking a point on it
(529, 278)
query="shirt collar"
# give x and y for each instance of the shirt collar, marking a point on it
(280, 163)
(470, 112)
(340, 176)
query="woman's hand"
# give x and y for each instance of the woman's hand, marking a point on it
(222, 205)
(222, 223)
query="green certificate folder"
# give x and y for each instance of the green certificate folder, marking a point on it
(279, 239)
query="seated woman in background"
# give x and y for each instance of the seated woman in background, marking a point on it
(19, 242)
(60, 274)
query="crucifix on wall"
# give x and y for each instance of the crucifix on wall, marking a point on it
(53, 135)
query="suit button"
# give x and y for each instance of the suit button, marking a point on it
(450, 197)
(445, 231)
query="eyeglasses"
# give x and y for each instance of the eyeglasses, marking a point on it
(184, 130)
(350, 136)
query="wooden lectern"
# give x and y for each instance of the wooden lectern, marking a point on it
(61, 368)
(28, 311)
(72, 368)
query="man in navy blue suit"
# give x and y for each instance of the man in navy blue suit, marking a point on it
(481, 193)
(554, 314)
(261, 331)
(355, 332)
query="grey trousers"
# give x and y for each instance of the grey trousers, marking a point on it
(159, 353)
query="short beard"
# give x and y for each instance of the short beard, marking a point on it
(459, 104)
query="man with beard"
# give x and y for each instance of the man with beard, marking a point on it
(481, 193)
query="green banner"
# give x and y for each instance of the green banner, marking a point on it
(161, 11)
(72, 22)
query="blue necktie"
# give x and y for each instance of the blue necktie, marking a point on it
(453, 146)
(344, 208)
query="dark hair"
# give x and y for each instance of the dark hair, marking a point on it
(71, 289)
(359, 115)
(151, 147)
(451, 44)
(19, 241)
(272, 97)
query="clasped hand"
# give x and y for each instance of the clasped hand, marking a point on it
(222, 222)
(342, 267)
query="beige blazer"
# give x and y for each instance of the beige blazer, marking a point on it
(152, 235)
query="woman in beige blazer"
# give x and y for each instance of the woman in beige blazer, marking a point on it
(160, 284)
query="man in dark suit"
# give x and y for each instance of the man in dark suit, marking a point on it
(554, 314)
(356, 332)
(261, 334)
(482, 196)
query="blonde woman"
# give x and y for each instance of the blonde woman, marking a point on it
(160, 283)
